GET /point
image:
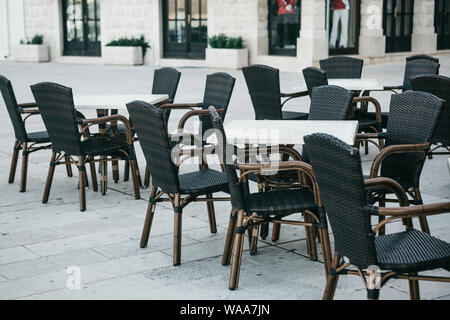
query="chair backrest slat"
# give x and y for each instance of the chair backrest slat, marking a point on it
(263, 84)
(55, 103)
(440, 87)
(337, 167)
(151, 129)
(13, 111)
(342, 67)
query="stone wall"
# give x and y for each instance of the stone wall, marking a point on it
(42, 17)
(424, 40)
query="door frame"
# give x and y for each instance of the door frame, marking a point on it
(405, 45)
(170, 50)
(443, 43)
(344, 51)
(82, 49)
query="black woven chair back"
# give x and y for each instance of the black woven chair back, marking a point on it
(330, 103)
(422, 57)
(440, 87)
(417, 68)
(342, 67)
(13, 111)
(165, 81)
(237, 190)
(151, 129)
(55, 103)
(413, 117)
(314, 77)
(263, 84)
(218, 91)
(337, 167)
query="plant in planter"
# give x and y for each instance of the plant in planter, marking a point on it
(126, 51)
(226, 52)
(33, 50)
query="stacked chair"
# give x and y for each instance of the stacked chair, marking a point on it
(358, 251)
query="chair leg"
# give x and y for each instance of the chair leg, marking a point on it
(211, 214)
(48, 183)
(366, 147)
(253, 239)
(414, 291)
(326, 249)
(23, 176)
(237, 252)
(332, 279)
(103, 175)
(147, 177)
(276, 231)
(264, 230)
(229, 240)
(15, 157)
(135, 178)
(93, 175)
(82, 182)
(126, 172)
(148, 218)
(177, 231)
(68, 167)
(115, 170)
(311, 240)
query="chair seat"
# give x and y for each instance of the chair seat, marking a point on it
(280, 202)
(38, 137)
(203, 182)
(291, 115)
(365, 124)
(412, 251)
(373, 115)
(99, 145)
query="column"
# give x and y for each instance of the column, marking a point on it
(424, 39)
(312, 45)
(372, 42)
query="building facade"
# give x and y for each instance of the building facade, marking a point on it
(287, 34)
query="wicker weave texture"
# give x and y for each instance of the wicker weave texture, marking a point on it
(342, 67)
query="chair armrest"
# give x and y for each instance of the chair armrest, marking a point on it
(400, 148)
(193, 113)
(377, 106)
(27, 105)
(415, 211)
(198, 152)
(106, 119)
(29, 111)
(292, 96)
(371, 135)
(179, 106)
(390, 185)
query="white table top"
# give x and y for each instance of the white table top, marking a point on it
(276, 132)
(351, 84)
(114, 101)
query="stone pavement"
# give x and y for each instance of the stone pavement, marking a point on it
(39, 243)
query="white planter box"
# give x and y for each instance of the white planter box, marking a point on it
(227, 58)
(129, 56)
(30, 53)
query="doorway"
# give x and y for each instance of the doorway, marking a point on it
(398, 24)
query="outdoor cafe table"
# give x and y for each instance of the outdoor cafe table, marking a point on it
(285, 132)
(352, 84)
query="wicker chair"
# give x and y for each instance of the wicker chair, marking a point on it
(342, 67)
(165, 81)
(55, 103)
(151, 130)
(402, 255)
(263, 84)
(440, 87)
(249, 210)
(413, 117)
(414, 67)
(314, 77)
(218, 90)
(28, 142)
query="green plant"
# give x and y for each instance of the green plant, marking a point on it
(223, 41)
(131, 42)
(37, 39)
